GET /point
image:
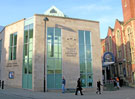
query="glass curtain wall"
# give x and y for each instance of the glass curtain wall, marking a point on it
(54, 60)
(12, 47)
(86, 73)
(27, 56)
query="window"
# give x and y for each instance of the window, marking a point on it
(125, 3)
(54, 59)
(53, 11)
(85, 58)
(110, 43)
(28, 48)
(12, 47)
(118, 37)
(129, 38)
(119, 54)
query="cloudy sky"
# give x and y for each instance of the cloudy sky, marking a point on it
(104, 11)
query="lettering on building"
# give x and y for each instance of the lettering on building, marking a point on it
(12, 65)
(71, 50)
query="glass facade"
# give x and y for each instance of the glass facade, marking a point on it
(54, 59)
(27, 56)
(86, 73)
(0, 49)
(12, 46)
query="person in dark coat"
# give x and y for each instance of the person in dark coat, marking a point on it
(63, 85)
(79, 87)
(98, 87)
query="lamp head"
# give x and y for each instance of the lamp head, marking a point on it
(46, 19)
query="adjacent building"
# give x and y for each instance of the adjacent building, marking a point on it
(121, 43)
(37, 52)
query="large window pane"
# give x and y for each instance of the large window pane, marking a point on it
(31, 35)
(54, 66)
(30, 66)
(57, 32)
(10, 53)
(81, 37)
(13, 45)
(14, 53)
(88, 52)
(89, 80)
(59, 49)
(58, 80)
(57, 64)
(56, 55)
(50, 64)
(50, 32)
(11, 39)
(30, 54)
(25, 50)
(57, 35)
(30, 46)
(83, 80)
(56, 48)
(25, 66)
(50, 71)
(82, 66)
(89, 66)
(85, 57)
(26, 34)
(52, 50)
(15, 39)
(81, 51)
(87, 37)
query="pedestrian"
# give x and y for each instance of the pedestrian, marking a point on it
(98, 87)
(114, 80)
(79, 87)
(117, 81)
(63, 85)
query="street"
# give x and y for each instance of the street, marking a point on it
(12, 93)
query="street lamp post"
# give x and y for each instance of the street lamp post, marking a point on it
(45, 19)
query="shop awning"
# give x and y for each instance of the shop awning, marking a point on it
(105, 64)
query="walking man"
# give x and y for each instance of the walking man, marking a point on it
(98, 87)
(79, 87)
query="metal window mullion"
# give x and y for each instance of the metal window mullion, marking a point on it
(85, 59)
(53, 41)
(12, 47)
(28, 39)
(53, 55)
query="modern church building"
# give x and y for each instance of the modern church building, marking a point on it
(35, 53)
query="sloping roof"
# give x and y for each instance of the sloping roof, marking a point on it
(53, 11)
(102, 39)
(1, 28)
(121, 22)
(111, 28)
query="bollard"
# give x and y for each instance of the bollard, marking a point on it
(2, 84)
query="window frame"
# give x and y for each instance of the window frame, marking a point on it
(12, 45)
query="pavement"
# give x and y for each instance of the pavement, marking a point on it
(16, 93)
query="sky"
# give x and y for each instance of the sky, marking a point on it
(104, 11)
